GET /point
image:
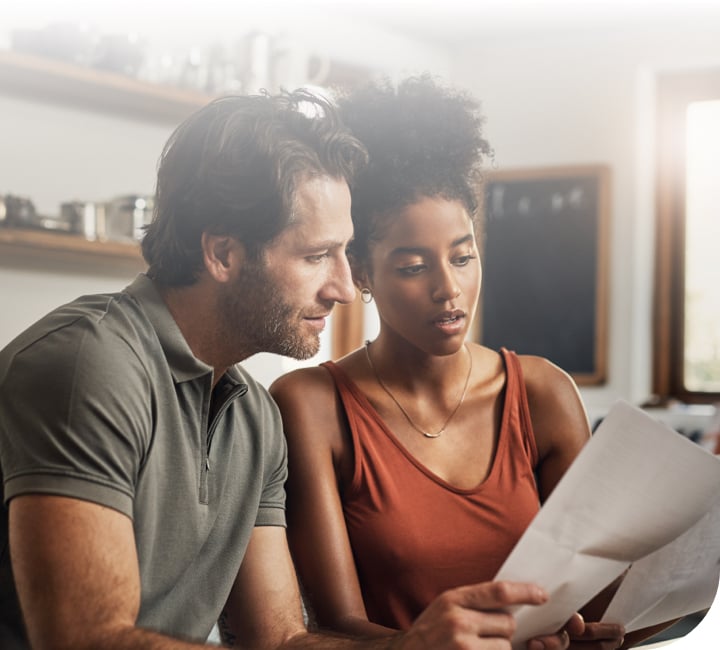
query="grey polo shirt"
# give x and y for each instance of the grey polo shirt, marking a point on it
(103, 400)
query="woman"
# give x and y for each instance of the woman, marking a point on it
(413, 460)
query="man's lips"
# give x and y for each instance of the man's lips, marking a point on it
(317, 321)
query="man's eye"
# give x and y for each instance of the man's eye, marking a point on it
(315, 259)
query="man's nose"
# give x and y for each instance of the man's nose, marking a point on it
(340, 286)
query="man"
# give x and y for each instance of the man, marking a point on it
(144, 471)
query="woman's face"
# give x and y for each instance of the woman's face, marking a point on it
(426, 274)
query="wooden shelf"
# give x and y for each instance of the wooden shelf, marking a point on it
(59, 82)
(32, 245)
(64, 84)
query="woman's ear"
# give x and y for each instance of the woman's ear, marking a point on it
(359, 274)
(223, 256)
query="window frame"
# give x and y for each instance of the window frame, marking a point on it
(675, 91)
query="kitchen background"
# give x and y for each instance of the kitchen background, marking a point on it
(561, 84)
(89, 93)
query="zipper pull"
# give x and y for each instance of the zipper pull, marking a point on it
(207, 463)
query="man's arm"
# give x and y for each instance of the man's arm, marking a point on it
(264, 607)
(76, 572)
(77, 578)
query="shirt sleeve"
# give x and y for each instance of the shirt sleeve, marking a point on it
(272, 501)
(75, 417)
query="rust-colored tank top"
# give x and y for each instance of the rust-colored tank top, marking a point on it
(413, 535)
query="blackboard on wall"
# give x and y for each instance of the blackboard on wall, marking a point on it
(544, 258)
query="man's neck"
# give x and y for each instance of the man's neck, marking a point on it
(194, 310)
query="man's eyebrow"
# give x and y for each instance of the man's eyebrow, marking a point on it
(322, 245)
(419, 250)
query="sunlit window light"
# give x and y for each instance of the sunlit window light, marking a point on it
(702, 248)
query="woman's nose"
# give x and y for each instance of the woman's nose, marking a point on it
(447, 288)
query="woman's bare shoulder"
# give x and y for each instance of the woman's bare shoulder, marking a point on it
(543, 377)
(556, 408)
(313, 377)
(312, 382)
(311, 405)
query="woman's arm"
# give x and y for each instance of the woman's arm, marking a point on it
(561, 430)
(558, 417)
(318, 447)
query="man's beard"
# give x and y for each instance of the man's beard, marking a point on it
(257, 316)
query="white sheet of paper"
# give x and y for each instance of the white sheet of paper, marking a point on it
(635, 487)
(678, 579)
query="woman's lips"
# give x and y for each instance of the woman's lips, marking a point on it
(450, 323)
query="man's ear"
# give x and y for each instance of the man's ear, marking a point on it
(223, 256)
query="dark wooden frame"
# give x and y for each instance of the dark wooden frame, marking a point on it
(674, 92)
(601, 175)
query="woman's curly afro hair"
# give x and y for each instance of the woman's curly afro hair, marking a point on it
(423, 140)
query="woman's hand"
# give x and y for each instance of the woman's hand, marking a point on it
(598, 636)
(476, 617)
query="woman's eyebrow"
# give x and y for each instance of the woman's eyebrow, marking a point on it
(418, 250)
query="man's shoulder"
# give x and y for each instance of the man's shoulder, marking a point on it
(112, 324)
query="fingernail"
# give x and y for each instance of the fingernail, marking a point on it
(535, 644)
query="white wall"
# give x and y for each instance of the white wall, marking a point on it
(588, 97)
(53, 153)
(551, 98)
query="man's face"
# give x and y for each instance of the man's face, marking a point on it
(280, 303)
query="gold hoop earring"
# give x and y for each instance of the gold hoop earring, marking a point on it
(366, 295)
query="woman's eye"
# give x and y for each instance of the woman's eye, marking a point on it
(412, 270)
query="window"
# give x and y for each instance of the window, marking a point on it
(687, 278)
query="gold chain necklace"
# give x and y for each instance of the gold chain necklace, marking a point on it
(427, 434)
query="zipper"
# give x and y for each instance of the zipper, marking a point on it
(237, 391)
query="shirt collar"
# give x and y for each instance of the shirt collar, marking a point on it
(184, 365)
